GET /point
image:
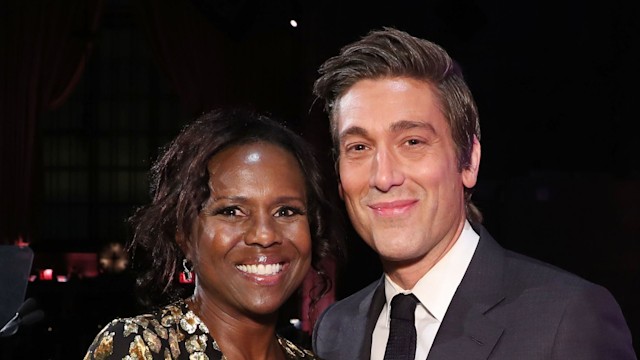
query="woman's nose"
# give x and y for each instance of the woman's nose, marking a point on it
(262, 231)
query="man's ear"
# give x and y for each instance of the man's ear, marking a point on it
(336, 169)
(470, 174)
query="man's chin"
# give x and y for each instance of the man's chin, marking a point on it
(399, 257)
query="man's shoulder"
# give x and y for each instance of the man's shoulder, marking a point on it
(521, 269)
(535, 280)
(557, 310)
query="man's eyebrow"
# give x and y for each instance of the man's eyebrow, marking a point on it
(395, 127)
(353, 131)
(410, 124)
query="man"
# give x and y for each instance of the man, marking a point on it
(405, 129)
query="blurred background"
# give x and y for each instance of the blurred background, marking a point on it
(90, 90)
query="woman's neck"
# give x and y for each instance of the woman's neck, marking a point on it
(239, 335)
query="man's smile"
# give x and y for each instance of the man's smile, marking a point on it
(393, 208)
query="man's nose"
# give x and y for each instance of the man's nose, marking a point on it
(385, 171)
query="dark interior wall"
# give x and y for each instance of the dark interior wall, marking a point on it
(556, 86)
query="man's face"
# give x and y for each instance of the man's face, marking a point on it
(399, 171)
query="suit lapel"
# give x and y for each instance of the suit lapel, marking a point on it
(354, 336)
(466, 332)
(372, 312)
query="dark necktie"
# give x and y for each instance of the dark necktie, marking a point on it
(402, 337)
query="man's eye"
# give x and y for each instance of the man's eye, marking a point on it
(413, 142)
(356, 147)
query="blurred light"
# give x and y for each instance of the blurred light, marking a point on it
(32, 278)
(293, 23)
(81, 265)
(21, 243)
(46, 274)
(113, 258)
(295, 323)
(61, 278)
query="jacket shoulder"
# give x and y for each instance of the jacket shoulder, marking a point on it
(348, 316)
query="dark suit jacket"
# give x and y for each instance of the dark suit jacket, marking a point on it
(507, 306)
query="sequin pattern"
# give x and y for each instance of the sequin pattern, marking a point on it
(174, 332)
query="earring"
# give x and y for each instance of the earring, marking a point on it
(188, 270)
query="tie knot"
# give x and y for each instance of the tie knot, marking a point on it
(403, 307)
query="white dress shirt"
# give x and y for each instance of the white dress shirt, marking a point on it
(434, 290)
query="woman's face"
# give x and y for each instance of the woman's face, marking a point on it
(251, 244)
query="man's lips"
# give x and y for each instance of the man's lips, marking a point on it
(391, 208)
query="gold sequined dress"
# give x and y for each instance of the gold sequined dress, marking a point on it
(173, 332)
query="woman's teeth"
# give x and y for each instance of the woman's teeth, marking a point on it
(260, 269)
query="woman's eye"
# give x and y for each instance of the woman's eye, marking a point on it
(287, 211)
(228, 211)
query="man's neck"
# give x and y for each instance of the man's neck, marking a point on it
(407, 273)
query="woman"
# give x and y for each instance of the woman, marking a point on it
(234, 198)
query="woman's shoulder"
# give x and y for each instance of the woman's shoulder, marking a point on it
(157, 333)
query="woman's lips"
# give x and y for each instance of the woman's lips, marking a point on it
(263, 273)
(261, 269)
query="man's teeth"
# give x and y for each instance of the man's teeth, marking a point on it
(260, 269)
